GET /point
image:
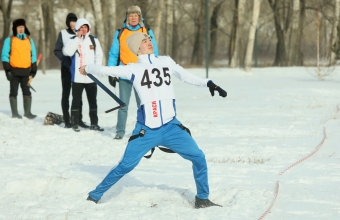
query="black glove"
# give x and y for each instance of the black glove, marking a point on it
(9, 75)
(113, 81)
(213, 87)
(33, 69)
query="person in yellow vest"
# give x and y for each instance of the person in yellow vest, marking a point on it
(19, 60)
(120, 54)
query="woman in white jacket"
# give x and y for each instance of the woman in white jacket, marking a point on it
(84, 49)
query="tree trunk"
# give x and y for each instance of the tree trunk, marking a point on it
(233, 31)
(42, 44)
(6, 16)
(50, 34)
(280, 56)
(213, 31)
(99, 25)
(175, 39)
(197, 54)
(250, 47)
(301, 25)
(157, 27)
(144, 6)
(293, 47)
(334, 31)
(236, 59)
(109, 12)
(169, 27)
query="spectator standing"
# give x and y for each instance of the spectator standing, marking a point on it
(19, 59)
(120, 54)
(63, 37)
(83, 49)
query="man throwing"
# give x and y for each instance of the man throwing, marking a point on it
(157, 124)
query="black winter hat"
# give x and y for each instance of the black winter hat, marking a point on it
(70, 17)
(20, 22)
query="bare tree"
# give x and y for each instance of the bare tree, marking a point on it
(157, 26)
(235, 60)
(144, 6)
(335, 25)
(213, 31)
(249, 53)
(109, 21)
(281, 55)
(99, 25)
(232, 41)
(301, 28)
(6, 16)
(42, 44)
(293, 47)
(197, 53)
(169, 27)
(50, 32)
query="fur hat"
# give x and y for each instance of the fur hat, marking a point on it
(134, 10)
(17, 23)
(134, 41)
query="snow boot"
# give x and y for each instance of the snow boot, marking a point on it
(27, 107)
(204, 203)
(14, 107)
(75, 128)
(83, 125)
(75, 120)
(92, 200)
(96, 128)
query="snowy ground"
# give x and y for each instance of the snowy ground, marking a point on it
(271, 119)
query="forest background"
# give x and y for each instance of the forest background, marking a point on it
(240, 34)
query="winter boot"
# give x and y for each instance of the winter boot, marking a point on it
(83, 125)
(204, 203)
(92, 200)
(66, 117)
(14, 107)
(27, 107)
(75, 119)
(96, 128)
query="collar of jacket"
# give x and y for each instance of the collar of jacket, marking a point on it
(137, 27)
(21, 36)
(147, 58)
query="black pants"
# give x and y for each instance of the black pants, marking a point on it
(22, 80)
(66, 91)
(91, 93)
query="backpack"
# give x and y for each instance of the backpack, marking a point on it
(93, 42)
(53, 118)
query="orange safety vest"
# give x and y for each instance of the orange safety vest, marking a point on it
(126, 56)
(20, 56)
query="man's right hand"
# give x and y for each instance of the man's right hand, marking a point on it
(113, 81)
(82, 70)
(79, 34)
(9, 75)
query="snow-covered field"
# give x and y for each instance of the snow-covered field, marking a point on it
(271, 119)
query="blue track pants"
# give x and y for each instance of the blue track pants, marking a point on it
(169, 135)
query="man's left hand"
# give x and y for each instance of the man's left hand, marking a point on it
(213, 88)
(82, 70)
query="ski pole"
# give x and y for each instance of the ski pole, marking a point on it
(31, 78)
(101, 85)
